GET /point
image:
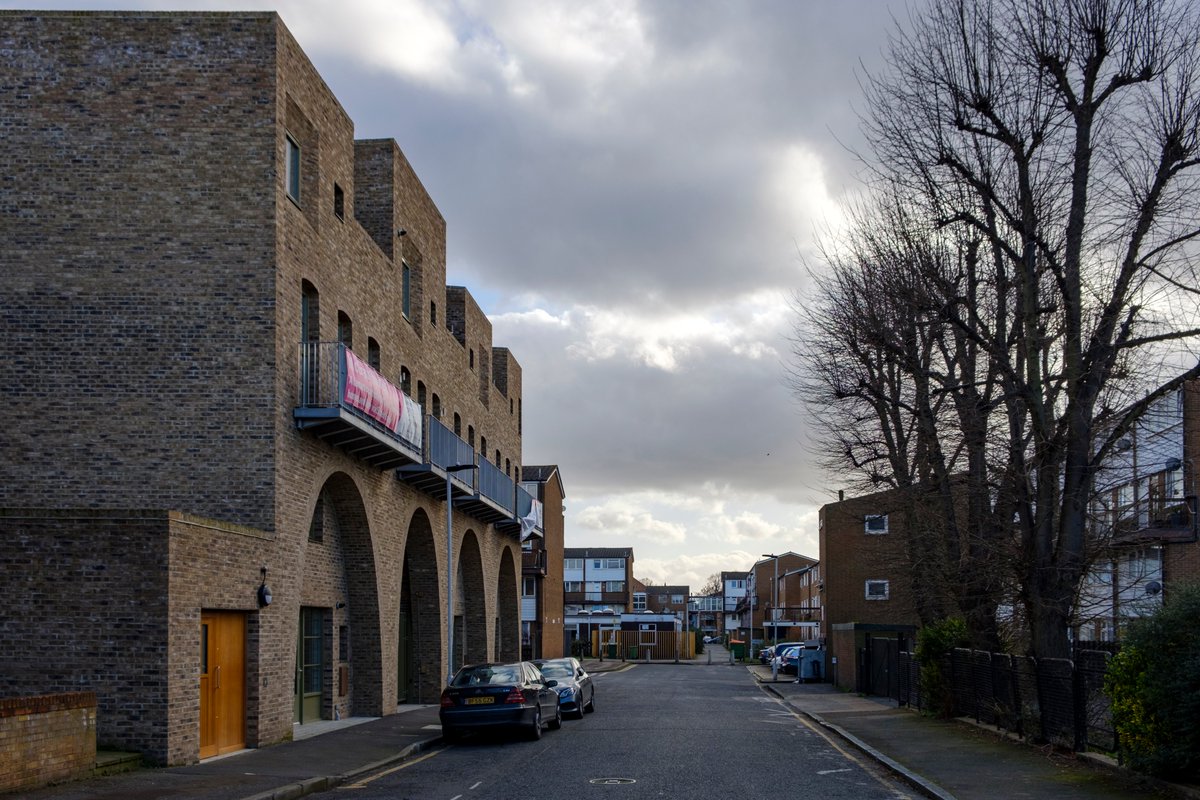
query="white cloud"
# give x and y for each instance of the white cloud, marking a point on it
(621, 520)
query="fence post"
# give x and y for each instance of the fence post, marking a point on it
(1079, 701)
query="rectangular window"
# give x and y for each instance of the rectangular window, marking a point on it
(529, 587)
(406, 292)
(615, 563)
(572, 586)
(639, 602)
(876, 523)
(614, 586)
(292, 170)
(598, 564)
(877, 590)
(572, 563)
(677, 598)
(339, 202)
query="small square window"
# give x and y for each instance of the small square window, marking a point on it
(292, 170)
(877, 590)
(876, 523)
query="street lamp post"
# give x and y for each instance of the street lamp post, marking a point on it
(450, 568)
(774, 599)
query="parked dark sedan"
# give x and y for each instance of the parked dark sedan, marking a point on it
(499, 696)
(576, 692)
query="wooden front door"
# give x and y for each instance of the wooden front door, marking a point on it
(222, 682)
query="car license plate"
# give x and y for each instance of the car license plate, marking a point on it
(478, 701)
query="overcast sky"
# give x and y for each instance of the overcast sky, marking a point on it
(632, 191)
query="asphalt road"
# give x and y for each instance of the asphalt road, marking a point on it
(659, 731)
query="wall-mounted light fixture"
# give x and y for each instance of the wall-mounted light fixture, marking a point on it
(264, 591)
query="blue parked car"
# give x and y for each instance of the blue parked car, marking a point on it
(576, 691)
(485, 696)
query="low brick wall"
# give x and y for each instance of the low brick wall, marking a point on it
(46, 739)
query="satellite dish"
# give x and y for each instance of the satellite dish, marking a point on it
(1153, 588)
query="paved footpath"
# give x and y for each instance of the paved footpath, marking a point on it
(956, 759)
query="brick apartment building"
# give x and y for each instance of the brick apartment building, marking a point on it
(542, 567)
(234, 375)
(865, 589)
(773, 620)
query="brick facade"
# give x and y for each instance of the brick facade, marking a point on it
(46, 739)
(151, 306)
(866, 579)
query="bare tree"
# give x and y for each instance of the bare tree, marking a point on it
(1057, 141)
(712, 586)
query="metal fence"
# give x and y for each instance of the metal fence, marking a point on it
(1053, 700)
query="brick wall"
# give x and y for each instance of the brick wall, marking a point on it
(850, 557)
(46, 739)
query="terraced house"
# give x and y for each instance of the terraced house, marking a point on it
(260, 462)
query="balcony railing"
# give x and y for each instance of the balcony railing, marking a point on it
(790, 615)
(349, 404)
(496, 486)
(1154, 519)
(533, 562)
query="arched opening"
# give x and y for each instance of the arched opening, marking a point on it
(508, 612)
(470, 604)
(419, 651)
(338, 647)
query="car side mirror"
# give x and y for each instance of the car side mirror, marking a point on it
(551, 683)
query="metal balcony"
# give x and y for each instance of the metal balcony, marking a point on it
(349, 405)
(485, 492)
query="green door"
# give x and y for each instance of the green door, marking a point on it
(310, 662)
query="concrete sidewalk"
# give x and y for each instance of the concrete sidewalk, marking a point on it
(948, 759)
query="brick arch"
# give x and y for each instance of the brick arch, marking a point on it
(357, 556)
(508, 610)
(419, 650)
(470, 603)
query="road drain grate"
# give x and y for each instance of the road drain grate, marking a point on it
(611, 781)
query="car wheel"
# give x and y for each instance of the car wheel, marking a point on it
(591, 706)
(450, 735)
(556, 723)
(535, 732)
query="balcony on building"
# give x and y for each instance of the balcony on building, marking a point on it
(1155, 520)
(349, 405)
(485, 493)
(533, 562)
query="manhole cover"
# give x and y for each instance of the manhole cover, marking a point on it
(611, 781)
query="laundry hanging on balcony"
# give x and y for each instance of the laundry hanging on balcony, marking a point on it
(531, 523)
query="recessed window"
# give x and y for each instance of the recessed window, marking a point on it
(373, 353)
(876, 523)
(432, 313)
(421, 394)
(316, 526)
(292, 170)
(406, 291)
(457, 425)
(471, 435)
(345, 330)
(406, 381)
(472, 358)
(437, 406)
(877, 590)
(483, 447)
(339, 202)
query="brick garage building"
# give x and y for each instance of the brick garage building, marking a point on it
(196, 247)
